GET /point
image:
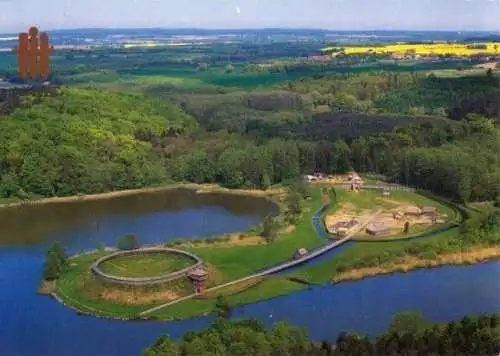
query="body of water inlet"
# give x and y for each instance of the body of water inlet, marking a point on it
(39, 326)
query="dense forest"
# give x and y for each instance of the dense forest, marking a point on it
(79, 141)
(434, 132)
(82, 141)
(409, 334)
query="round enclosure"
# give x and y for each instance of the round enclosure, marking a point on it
(145, 266)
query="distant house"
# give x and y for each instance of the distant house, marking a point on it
(300, 253)
(429, 210)
(413, 211)
(377, 229)
(310, 178)
(321, 58)
(355, 180)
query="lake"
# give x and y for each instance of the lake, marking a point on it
(36, 325)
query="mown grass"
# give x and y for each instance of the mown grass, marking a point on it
(70, 288)
(150, 265)
(269, 288)
(78, 288)
(240, 261)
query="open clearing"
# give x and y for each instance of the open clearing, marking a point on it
(150, 265)
(392, 212)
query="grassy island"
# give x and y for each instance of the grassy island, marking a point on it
(461, 238)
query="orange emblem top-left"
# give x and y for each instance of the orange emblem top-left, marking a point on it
(23, 55)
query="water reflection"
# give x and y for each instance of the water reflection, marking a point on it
(30, 224)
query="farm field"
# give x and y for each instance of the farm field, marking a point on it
(424, 49)
(150, 265)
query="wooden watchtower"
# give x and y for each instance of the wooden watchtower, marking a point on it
(198, 277)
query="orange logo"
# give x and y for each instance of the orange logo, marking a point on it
(33, 54)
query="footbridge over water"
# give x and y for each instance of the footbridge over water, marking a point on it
(320, 250)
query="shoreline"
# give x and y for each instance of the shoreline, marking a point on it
(476, 255)
(199, 188)
(470, 259)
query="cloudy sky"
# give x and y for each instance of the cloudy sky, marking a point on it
(17, 15)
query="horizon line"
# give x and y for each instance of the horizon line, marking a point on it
(319, 29)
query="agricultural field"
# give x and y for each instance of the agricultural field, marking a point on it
(142, 266)
(454, 49)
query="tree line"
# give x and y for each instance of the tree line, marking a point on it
(460, 162)
(408, 334)
(89, 141)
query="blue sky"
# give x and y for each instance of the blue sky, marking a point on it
(17, 15)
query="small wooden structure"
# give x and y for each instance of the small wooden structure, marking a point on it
(355, 181)
(377, 229)
(413, 211)
(342, 227)
(429, 211)
(300, 253)
(198, 277)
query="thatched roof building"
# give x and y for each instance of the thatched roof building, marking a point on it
(413, 210)
(429, 210)
(377, 229)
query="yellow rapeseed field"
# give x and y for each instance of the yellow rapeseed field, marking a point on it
(145, 44)
(425, 49)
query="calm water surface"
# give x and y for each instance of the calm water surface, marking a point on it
(35, 325)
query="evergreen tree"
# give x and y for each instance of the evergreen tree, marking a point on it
(58, 250)
(222, 308)
(294, 204)
(52, 268)
(270, 229)
(128, 242)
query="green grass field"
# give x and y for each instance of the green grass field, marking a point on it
(185, 77)
(150, 265)
(71, 289)
(240, 261)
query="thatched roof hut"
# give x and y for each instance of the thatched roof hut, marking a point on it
(413, 210)
(377, 229)
(429, 210)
